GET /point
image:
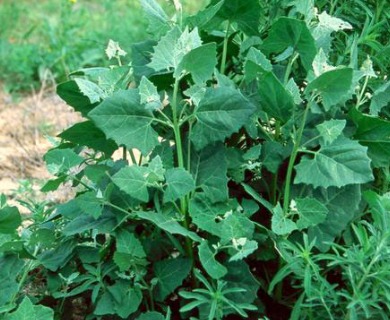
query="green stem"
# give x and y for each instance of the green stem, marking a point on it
(289, 67)
(132, 156)
(287, 189)
(333, 7)
(224, 52)
(360, 98)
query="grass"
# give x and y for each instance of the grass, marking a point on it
(60, 36)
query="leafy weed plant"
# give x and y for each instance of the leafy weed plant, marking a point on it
(240, 190)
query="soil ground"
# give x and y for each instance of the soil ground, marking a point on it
(25, 124)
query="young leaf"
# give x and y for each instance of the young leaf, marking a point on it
(202, 18)
(133, 181)
(288, 32)
(170, 274)
(129, 250)
(338, 164)
(10, 220)
(380, 98)
(28, 311)
(114, 50)
(122, 118)
(207, 259)
(244, 249)
(149, 95)
(311, 212)
(179, 183)
(199, 62)
(168, 224)
(330, 130)
(280, 224)
(220, 113)
(171, 49)
(158, 20)
(333, 86)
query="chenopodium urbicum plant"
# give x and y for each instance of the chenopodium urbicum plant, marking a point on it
(235, 133)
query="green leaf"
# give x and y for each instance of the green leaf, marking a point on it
(196, 93)
(330, 130)
(205, 213)
(140, 58)
(338, 164)
(149, 95)
(57, 257)
(273, 155)
(236, 226)
(240, 276)
(333, 86)
(343, 206)
(123, 119)
(256, 62)
(151, 315)
(202, 18)
(28, 311)
(170, 274)
(280, 223)
(274, 98)
(289, 32)
(220, 113)
(179, 183)
(129, 250)
(89, 204)
(245, 13)
(374, 133)
(133, 181)
(209, 168)
(156, 170)
(10, 266)
(311, 212)
(10, 219)
(199, 62)
(244, 248)
(380, 98)
(114, 50)
(168, 224)
(87, 134)
(172, 47)
(61, 160)
(207, 258)
(70, 92)
(158, 20)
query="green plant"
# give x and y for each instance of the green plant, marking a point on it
(244, 154)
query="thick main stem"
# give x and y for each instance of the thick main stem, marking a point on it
(287, 189)
(224, 52)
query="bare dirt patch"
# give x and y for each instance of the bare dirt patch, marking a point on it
(24, 127)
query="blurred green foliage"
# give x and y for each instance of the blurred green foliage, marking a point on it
(43, 41)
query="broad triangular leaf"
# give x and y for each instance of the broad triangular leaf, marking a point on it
(158, 19)
(205, 214)
(28, 311)
(179, 183)
(133, 181)
(333, 86)
(330, 130)
(281, 224)
(311, 212)
(207, 258)
(61, 160)
(374, 133)
(129, 250)
(199, 62)
(274, 98)
(90, 204)
(288, 32)
(202, 18)
(87, 134)
(170, 274)
(171, 49)
(380, 98)
(10, 219)
(149, 95)
(209, 168)
(244, 249)
(236, 226)
(338, 164)
(220, 113)
(122, 118)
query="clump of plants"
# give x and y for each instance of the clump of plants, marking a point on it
(236, 168)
